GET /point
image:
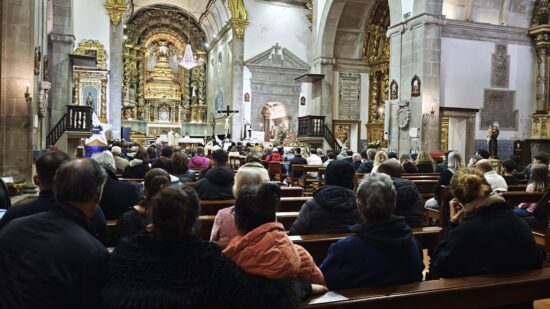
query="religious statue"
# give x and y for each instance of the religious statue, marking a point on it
(226, 127)
(45, 73)
(247, 97)
(37, 59)
(140, 112)
(89, 100)
(303, 101)
(492, 144)
(394, 90)
(247, 131)
(237, 9)
(415, 85)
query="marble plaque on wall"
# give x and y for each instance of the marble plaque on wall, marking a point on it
(349, 96)
(499, 106)
(500, 67)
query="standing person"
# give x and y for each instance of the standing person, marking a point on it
(46, 168)
(484, 236)
(218, 181)
(424, 163)
(52, 259)
(169, 267)
(539, 183)
(262, 247)
(383, 250)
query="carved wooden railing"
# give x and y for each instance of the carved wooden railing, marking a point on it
(314, 126)
(77, 118)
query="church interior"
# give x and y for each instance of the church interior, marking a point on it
(402, 77)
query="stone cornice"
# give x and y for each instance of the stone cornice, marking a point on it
(485, 32)
(62, 38)
(351, 65)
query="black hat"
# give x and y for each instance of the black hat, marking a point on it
(340, 173)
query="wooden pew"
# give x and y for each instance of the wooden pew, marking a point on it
(291, 203)
(425, 187)
(317, 244)
(516, 198)
(406, 175)
(212, 207)
(138, 180)
(520, 187)
(466, 292)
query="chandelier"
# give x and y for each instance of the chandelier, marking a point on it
(189, 61)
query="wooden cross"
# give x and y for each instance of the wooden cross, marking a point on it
(227, 112)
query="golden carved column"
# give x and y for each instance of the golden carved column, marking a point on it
(540, 31)
(239, 16)
(115, 9)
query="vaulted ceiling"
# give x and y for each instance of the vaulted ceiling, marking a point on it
(515, 13)
(213, 15)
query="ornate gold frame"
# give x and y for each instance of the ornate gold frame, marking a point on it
(86, 45)
(115, 9)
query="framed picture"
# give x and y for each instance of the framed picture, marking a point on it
(394, 90)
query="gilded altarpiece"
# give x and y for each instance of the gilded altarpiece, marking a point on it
(90, 84)
(158, 91)
(376, 52)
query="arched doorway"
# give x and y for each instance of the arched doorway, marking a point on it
(275, 120)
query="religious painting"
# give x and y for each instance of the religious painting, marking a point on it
(342, 133)
(247, 97)
(164, 113)
(37, 58)
(394, 90)
(89, 97)
(303, 101)
(415, 86)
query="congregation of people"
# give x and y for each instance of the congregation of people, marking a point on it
(53, 250)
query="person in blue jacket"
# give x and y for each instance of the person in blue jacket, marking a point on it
(383, 250)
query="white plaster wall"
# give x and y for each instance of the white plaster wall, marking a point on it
(364, 107)
(247, 111)
(270, 24)
(407, 7)
(318, 8)
(91, 22)
(466, 72)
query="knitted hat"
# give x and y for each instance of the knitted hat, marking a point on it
(340, 173)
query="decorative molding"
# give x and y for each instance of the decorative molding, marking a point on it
(92, 48)
(485, 32)
(115, 8)
(239, 16)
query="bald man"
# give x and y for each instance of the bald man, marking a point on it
(497, 182)
(409, 203)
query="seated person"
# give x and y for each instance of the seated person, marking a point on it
(46, 168)
(250, 174)
(407, 164)
(508, 168)
(180, 168)
(333, 208)
(539, 183)
(139, 166)
(331, 156)
(275, 156)
(453, 164)
(118, 196)
(497, 182)
(424, 162)
(164, 160)
(484, 236)
(383, 251)
(217, 183)
(262, 247)
(169, 267)
(136, 219)
(297, 159)
(409, 202)
(199, 161)
(368, 163)
(120, 160)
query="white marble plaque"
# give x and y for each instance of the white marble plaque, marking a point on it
(349, 96)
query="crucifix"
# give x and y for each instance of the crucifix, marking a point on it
(228, 112)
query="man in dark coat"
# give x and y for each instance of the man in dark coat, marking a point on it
(333, 208)
(164, 160)
(117, 196)
(46, 166)
(383, 251)
(368, 163)
(217, 184)
(297, 159)
(52, 259)
(409, 202)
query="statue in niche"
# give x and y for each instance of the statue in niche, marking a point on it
(303, 101)
(415, 85)
(492, 144)
(247, 97)
(37, 58)
(128, 113)
(203, 114)
(151, 113)
(140, 112)
(45, 73)
(89, 100)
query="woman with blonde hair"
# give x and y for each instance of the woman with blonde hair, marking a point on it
(424, 163)
(380, 157)
(484, 236)
(453, 165)
(407, 164)
(250, 174)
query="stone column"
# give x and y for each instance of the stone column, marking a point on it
(237, 50)
(116, 68)
(415, 50)
(541, 98)
(322, 91)
(17, 63)
(62, 43)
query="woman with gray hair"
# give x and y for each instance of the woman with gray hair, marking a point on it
(383, 250)
(454, 163)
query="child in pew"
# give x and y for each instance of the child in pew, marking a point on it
(539, 183)
(263, 248)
